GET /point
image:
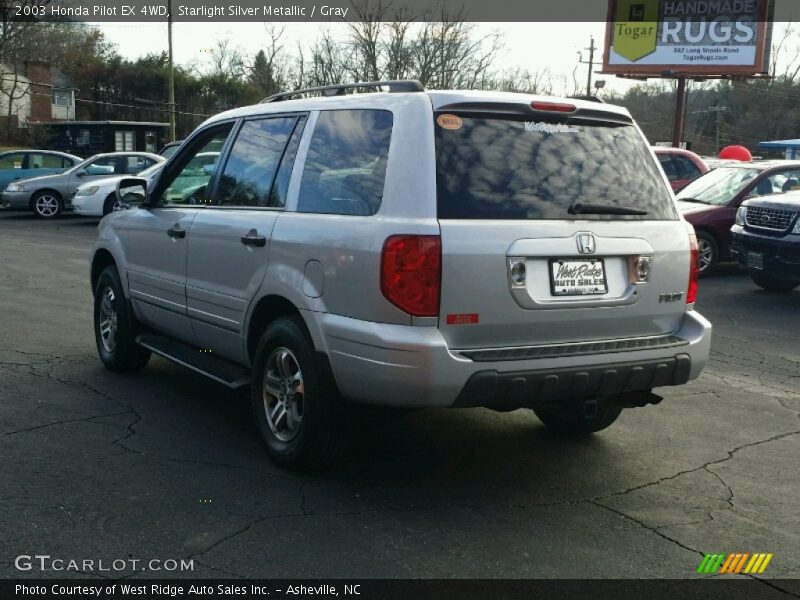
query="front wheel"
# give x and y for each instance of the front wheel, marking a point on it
(111, 203)
(771, 284)
(578, 425)
(115, 326)
(47, 205)
(297, 408)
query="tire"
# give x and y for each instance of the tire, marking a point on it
(709, 253)
(303, 429)
(47, 204)
(115, 326)
(771, 284)
(578, 425)
(108, 205)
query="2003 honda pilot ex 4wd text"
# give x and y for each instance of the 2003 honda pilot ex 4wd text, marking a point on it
(408, 248)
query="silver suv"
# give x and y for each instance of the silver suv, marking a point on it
(407, 248)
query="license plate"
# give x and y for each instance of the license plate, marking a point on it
(755, 260)
(577, 277)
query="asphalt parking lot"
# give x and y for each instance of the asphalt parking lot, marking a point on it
(167, 465)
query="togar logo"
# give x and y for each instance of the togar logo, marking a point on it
(735, 562)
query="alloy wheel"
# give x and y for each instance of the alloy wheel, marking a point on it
(283, 393)
(706, 254)
(47, 205)
(108, 320)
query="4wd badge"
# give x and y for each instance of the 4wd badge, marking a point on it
(635, 28)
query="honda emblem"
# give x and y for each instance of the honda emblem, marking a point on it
(586, 243)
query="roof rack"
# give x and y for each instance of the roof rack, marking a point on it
(410, 85)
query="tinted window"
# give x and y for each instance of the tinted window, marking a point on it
(253, 161)
(281, 185)
(687, 169)
(45, 161)
(346, 163)
(517, 168)
(11, 161)
(668, 166)
(189, 176)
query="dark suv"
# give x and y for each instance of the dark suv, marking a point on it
(766, 240)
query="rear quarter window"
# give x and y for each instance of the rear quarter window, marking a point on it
(523, 167)
(345, 166)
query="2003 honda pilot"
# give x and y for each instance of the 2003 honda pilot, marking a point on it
(407, 248)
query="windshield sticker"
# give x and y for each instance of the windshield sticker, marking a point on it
(449, 121)
(543, 127)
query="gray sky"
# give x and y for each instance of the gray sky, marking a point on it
(532, 46)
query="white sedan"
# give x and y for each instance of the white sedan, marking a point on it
(97, 198)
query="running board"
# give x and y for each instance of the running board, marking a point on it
(219, 369)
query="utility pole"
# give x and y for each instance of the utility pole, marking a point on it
(171, 84)
(680, 112)
(718, 110)
(590, 62)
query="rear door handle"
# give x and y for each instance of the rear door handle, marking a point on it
(253, 239)
(176, 231)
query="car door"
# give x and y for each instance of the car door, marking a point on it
(228, 245)
(155, 237)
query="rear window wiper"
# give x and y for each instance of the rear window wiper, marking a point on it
(577, 208)
(691, 200)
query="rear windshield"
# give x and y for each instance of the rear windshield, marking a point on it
(513, 167)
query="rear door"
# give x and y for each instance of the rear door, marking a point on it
(228, 251)
(544, 218)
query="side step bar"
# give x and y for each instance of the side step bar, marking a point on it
(219, 369)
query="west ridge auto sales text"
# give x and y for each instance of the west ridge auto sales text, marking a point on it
(235, 10)
(171, 590)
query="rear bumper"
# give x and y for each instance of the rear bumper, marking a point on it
(781, 256)
(410, 366)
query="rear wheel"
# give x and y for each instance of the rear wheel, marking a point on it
(708, 254)
(47, 204)
(771, 284)
(115, 326)
(296, 406)
(578, 424)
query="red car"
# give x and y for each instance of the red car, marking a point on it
(710, 201)
(681, 166)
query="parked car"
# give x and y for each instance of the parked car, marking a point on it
(169, 149)
(47, 197)
(710, 202)
(407, 248)
(681, 166)
(98, 198)
(24, 164)
(766, 240)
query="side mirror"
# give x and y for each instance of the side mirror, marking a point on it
(81, 173)
(129, 191)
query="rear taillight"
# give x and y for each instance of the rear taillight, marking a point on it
(553, 107)
(411, 273)
(694, 269)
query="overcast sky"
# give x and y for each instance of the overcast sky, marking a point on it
(533, 46)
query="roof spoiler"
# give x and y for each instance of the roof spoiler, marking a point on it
(340, 89)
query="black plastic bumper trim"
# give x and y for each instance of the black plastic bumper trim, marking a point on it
(547, 386)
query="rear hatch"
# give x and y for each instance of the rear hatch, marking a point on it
(556, 227)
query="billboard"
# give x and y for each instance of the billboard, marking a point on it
(688, 37)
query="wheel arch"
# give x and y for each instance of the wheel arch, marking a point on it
(267, 309)
(102, 258)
